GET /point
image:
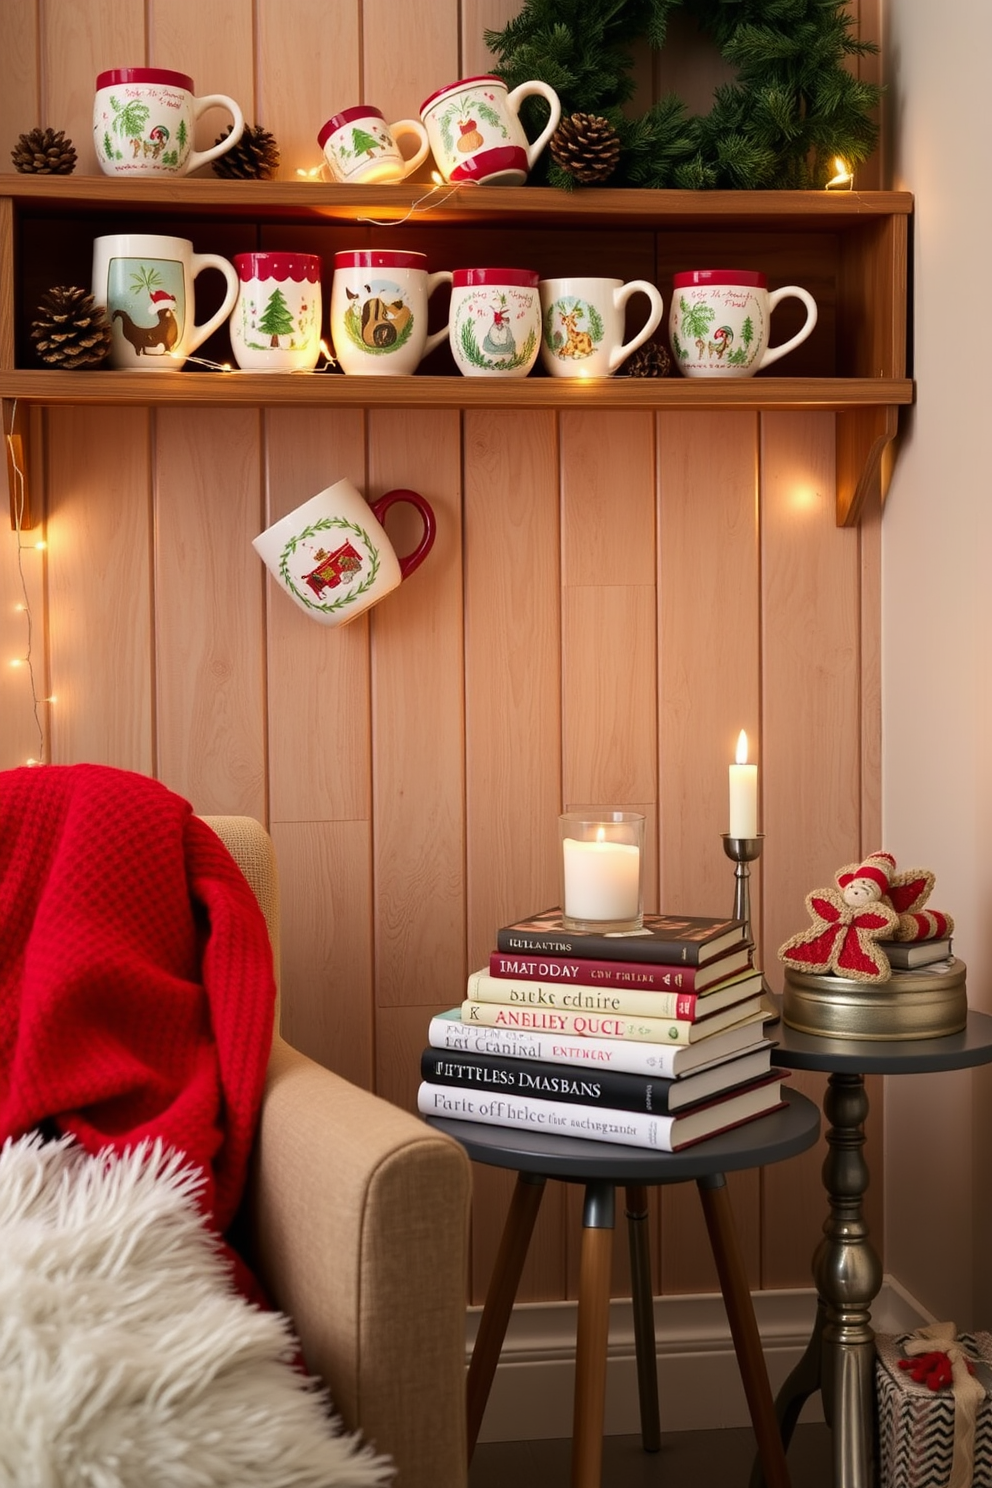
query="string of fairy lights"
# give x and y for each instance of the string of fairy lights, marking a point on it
(26, 658)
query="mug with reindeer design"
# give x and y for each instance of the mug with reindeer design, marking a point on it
(379, 311)
(719, 322)
(583, 324)
(143, 122)
(144, 281)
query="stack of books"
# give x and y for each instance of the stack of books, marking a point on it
(650, 1038)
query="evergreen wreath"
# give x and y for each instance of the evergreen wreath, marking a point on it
(792, 109)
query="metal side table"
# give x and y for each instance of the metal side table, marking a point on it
(600, 1167)
(839, 1359)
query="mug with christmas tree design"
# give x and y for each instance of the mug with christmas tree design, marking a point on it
(275, 324)
(359, 145)
(719, 323)
(144, 119)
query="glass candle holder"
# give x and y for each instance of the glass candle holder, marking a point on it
(602, 869)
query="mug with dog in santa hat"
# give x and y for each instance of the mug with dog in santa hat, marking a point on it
(145, 283)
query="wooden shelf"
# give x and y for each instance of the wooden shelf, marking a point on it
(852, 245)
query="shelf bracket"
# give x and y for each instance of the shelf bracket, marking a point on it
(864, 464)
(16, 442)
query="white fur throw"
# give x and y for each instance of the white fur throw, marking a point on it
(127, 1359)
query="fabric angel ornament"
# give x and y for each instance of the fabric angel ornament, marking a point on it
(908, 892)
(847, 924)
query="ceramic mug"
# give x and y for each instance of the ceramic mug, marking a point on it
(332, 556)
(475, 131)
(719, 322)
(583, 324)
(379, 311)
(494, 321)
(145, 283)
(275, 324)
(143, 120)
(359, 145)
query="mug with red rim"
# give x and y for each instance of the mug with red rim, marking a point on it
(379, 311)
(144, 119)
(719, 322)
(475, 131)
(275, 323)
(494, 321)
(359, 145)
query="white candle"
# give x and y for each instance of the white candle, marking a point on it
(743, 793)
(602, 879)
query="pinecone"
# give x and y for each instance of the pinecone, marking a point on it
(45, 152)
(71, 330)
(650, 360)
(254, 158)
(587, 146)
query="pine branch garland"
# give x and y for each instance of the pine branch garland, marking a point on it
(791, 110)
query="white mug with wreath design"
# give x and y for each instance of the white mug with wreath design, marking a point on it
(584, 322)
(475, 130)
(379, 311)
(494, 321)
(332, 556)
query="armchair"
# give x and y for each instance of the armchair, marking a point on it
(357, 1214)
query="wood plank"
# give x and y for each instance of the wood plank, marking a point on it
(478, 17)
(325, 874)
(208, 610)
(20, 98)
(317, 676)
(408, 51)
(319, 49)
(77, 43)
(99, 588)
(24, 623)
(212, 44)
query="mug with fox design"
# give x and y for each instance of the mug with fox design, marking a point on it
(379, 311)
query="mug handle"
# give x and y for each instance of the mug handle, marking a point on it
(415, 559)
(443, 276)
(199, 262)
(772, 353)
(620, 354)
(539, 90)
(414, 128)
(197, 158)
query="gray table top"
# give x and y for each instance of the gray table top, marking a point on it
(795, 1050)
(768, 1139)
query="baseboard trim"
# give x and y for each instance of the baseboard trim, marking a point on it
(698, 1380)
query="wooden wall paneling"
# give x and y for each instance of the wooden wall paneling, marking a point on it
(418, 768)
(79, 40)
(325, 875)
(20, 97)
(709, 678)
(811, 752)
(208, 608)
(307, 67)
(408, 51)
(512, 736)
(319, 778)
(214, 45)
(99, 585)
(23, 611)
(478, 17)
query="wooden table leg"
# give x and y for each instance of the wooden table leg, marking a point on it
(519, 1226)
(638, 1233)
(743, 1327)
(592, 1334)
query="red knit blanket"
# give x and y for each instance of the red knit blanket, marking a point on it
(136, 983)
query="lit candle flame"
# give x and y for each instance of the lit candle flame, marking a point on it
(741, 755)
(600, 834)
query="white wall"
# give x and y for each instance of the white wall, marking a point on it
(937, 631)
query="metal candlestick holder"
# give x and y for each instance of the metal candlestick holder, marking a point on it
(742, 851)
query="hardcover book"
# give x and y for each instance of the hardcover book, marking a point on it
(676, 940)
(587, 972)
(667, 1061)
(688, 1006)
(604, 1123)
(501, 1074)
(905, 954)
(607, 1025)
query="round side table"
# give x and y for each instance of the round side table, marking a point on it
(839, 1359)
(601, 1166)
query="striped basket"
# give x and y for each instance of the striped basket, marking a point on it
(916, 1424)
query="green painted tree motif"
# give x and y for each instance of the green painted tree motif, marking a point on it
(182, 135)
(741, 355)
(130, 119)
(276, 319)
(695, 321)
(144, 279)
(363, 143)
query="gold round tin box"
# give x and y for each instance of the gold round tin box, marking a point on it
(919, 1004)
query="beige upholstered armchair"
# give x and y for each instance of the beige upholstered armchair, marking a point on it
(358, 1214)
